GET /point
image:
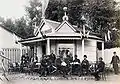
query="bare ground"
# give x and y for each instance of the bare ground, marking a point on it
(23, 79)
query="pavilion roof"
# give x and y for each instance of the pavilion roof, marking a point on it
(55, 25)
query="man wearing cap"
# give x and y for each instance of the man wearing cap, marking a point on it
(85, 65)
(115, 60)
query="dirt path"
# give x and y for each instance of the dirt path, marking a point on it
(113, 79)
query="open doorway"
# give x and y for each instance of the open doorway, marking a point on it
(44, 49)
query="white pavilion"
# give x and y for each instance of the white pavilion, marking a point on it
(61, 37)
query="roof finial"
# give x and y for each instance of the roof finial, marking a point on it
(65, 17)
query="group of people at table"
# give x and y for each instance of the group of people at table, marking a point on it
(50, 64)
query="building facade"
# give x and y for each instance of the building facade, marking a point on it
(9, 46)
(63, 38)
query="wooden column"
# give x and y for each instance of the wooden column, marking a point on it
(21, 50)
(48, 46)
(83, 41)
(83, 46)
(103, 50)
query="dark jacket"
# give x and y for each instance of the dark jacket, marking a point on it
(52, 58)
(115, 60)
(58, 62)
(100, 66)
(44, 62)
(85, 64)
(76, 60)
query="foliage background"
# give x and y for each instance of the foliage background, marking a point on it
(101, 15)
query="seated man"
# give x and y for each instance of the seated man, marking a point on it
(76, 59)
(85, 65)
(44, 64)
(100, 68)
(52, 57)
(76, 65)
(61, 66)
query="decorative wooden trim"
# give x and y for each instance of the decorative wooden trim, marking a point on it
(67, 24)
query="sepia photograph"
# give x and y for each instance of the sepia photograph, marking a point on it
(59, 41)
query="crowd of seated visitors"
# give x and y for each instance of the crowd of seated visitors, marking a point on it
(50, 64)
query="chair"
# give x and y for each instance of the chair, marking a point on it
(103, 75)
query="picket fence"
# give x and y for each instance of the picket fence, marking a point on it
(14, 54)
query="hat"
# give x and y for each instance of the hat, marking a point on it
(75, 55)
(114, 52)
(85, 56)
(101, 58)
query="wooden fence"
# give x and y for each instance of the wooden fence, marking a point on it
(14, 54)
(108, 53)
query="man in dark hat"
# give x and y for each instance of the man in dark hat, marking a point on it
(100, 68)
(76, 59)
(115, 60)
(85, 65)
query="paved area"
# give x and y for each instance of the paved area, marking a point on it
(22, 79)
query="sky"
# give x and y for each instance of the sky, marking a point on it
(13, 8)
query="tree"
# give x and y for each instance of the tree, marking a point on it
(23, 29)
(19, 26)
(9, 24)
(34, 12)
(100, 15)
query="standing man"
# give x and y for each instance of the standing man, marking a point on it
(115, 60)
